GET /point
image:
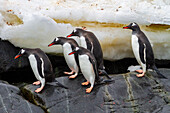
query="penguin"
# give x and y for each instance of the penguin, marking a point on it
(40, 65)
(88, 66)
(89, 41)
(142, 50)
(68, 45)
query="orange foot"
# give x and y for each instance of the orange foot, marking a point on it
(139, 71)
(88, 90)
(140, 75)
(69, 73)
(38, 90)
(36, 83)
(85, 83)
(72, 76)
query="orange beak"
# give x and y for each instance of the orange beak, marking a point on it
(70, 35)
(17, 56)
(71, 53)
(51, 44)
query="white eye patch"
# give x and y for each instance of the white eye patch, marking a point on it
(133, 24)
(77, 48)
(74, 30)
(22, 51)
(56, 39)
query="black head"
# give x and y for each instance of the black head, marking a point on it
(56, 41)
(75, 51)
(22, 52)
(134, 26)
(76, 32)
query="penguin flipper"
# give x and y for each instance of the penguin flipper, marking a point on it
(142, 51)
(94, 64)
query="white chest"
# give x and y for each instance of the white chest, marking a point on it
(33, 63)
(83, 42)
(135, 47)
(86, 67)
(67, 48)
(70, 59)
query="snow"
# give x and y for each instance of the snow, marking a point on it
(35, 23)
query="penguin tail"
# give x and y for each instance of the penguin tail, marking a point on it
(105, 73)
(104, 81)
(55, 83)
(160, 75)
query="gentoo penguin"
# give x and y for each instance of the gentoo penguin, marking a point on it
(89, 41)
(142, 50)
(88, 66)
(40, 65)
(68, 45)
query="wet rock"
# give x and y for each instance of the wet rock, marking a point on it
(128, 94)
(12, 102)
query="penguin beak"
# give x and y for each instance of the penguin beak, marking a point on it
(70, 35)
(17, 56)
(127, 27)
(72, 53)
(51, 44)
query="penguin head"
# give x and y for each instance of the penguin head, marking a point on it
(76, 50)
(21, 53)
(134, 26)
(55, 41)
(76, 32)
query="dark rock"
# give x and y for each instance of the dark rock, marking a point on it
(128, 94)
(12, 102)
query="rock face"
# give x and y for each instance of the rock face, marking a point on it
(128, 94)
(12, 102)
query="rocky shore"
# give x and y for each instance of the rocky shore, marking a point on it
(128, 94)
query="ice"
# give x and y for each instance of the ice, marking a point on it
(35, 23)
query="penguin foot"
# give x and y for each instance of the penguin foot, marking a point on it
(38, 89)
(88, 90)
(140, 75)
(72, 76)
(139, 71)
(69, 73)
(85, 83)
(36, 83)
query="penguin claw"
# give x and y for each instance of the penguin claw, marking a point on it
(36, 83)
(72, 76)
(85, 83)
(139, 71)
(140, 75)
(38, 90)
(88, 90)
(69, 73)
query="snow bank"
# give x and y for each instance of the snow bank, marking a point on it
(34, 23)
